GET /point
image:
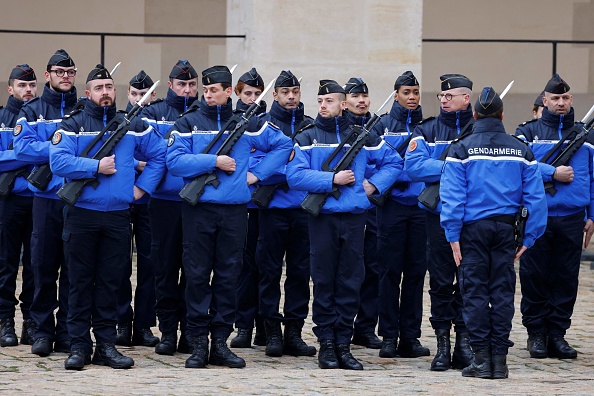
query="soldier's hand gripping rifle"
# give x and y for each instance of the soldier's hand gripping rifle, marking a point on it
(41, 176)
(572, 147)
(7, 178)
(70, 191)
(192, 191)
(357, 137)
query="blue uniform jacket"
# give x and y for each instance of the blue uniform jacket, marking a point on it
(114, 192)
(395, 128)
(196, 129)
(430, 139)
(490, 173)
(314, 145)
(37, 121)
(161, 115)
(541, 136)
(289, 121)
(8, 161)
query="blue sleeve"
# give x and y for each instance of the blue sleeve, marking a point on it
(535, 201)
(152, 148)
(389, 165)
(28, 145)
(301, 177)
(181, 161)
(452, 191)
(418, 162)
(63, 159)
(590, 209)
(276, 144)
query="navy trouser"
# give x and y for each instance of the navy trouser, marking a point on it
(49, 267)
(549, 273)
(97, 249)
(402, 256)
(15, 235)
(214, 238)
(446, 301)
(144, 295)
(247, 283)
(166, 257)
(487, 283)
(283, 232)
(337, 271)
(367, 316)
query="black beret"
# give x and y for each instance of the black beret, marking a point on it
(22, 72)
(329, 86)
(141, 81)
(488, 102)
(216, 74)
(183, 71)
(356, 85)
(557, 85)
(99, 73)
(252, 78)
(60, 58)
(538, 100)
(286, 79)
(451, 81)
(407, 79)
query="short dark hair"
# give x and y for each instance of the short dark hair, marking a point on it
(10, 82)
(496, 114)
(225, 85)
(535, 108)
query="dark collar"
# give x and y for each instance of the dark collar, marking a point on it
(330, 124)
(553, 120)
(14, 105)
(402, 114)
(57, 98)
(179, 103)
(286, 115)
(456, 119)
(223, 112)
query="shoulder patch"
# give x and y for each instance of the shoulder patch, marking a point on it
(292, 155)
(171, 140)
(426, 119)
(17, 130)
(274, 125)
(528, 122)
(56, 138)
(154, 101)
(412, 146)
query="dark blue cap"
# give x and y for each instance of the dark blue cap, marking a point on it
(488, 102)
(329, 86)
(141, 81)
(252, 78)
(356, 85)
(216, 74)
(557, 85)
(407, 78)
(451, 81)
(98, 73)
(286, 79)
(22, 72)
(60, 58)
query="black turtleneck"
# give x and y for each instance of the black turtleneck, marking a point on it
(357, 119)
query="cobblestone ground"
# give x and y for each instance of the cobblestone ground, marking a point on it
(24, 373)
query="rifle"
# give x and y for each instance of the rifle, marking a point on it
(41, 176)
(314, 202)
(192, 191)
(264, 193)
(70, 191)
(520, 227)
(572, 147)
(7, 178)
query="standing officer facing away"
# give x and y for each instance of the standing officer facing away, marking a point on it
(97, 229)
(488, 177)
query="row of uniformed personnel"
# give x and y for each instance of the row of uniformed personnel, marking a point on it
(210, 237)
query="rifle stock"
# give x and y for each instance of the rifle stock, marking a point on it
(7, 180)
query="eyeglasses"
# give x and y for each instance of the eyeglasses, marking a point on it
(447, 96)
(61, 72)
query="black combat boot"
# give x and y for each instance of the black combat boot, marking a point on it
(537, 345)
(480, 366)
(462, 355)
(124, 334)
(168, 344)
(77, 360)
(412, 348)
(388, 349)
(327, 358)
(28, 332)
(221, 355)
(243, 339)
(368, 340)
(443, 359)
(557, 347)
(7, 334)
(260, 337)
(345, 359)
(107, 355)
(199, 358)
(499, 366)
(144, 337)
(274, 338)
(293, 343)
(184, 346)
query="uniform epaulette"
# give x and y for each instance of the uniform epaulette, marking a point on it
(74, 111)
(155, 101)
(31, 100)
(528, 122)
(426, 119)
(193, 107)
(521, 140)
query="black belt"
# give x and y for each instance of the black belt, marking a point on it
(507, 219)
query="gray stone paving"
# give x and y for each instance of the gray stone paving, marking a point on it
(24, 373)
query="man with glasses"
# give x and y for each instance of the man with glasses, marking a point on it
(36, 123)
(424, 162)
(549, 270)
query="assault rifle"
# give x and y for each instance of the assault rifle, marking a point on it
(313, 202)
(379, 199)
(520, 227)
(192, 191)
(7, 178)
(70, 191)
(572, 147)
(41, 176)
